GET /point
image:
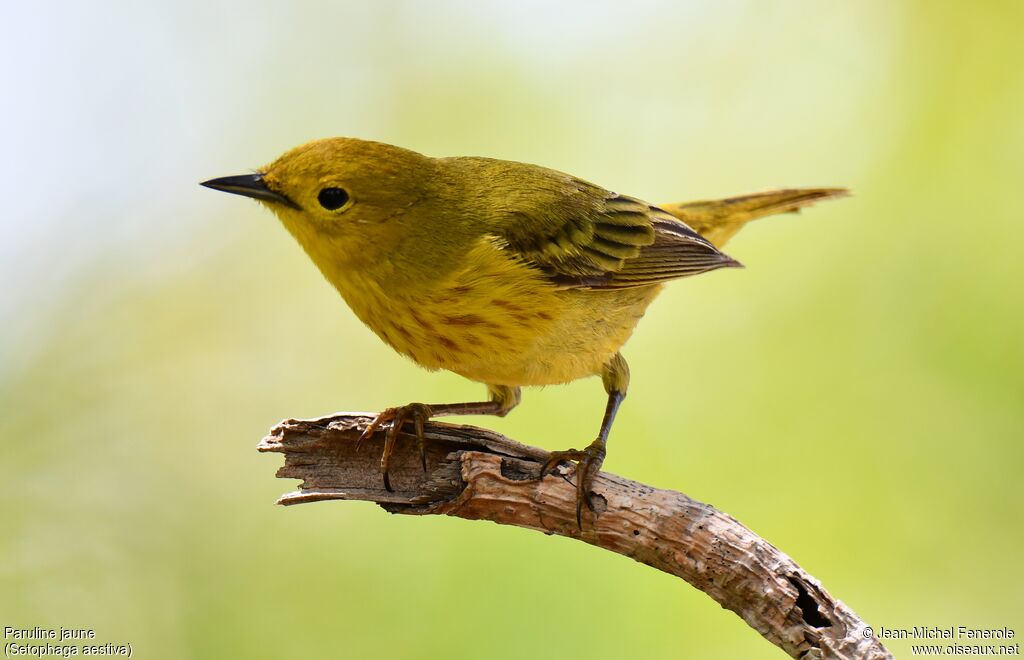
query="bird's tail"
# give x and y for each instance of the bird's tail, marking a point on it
(719, 219)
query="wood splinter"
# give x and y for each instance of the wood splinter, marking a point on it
(477, 474)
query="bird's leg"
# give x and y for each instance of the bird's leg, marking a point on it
(502, 399)
(615, 376)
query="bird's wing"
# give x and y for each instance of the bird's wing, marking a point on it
(608, 241)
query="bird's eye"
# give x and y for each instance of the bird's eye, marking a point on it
(332, 199)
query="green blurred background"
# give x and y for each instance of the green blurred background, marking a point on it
(855, 395)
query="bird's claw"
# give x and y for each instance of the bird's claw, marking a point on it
(395, 419)
(588, 464)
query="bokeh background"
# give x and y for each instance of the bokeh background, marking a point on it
(855, 395)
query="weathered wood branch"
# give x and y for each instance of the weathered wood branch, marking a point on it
(480, 475)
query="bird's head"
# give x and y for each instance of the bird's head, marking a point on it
(341, 195)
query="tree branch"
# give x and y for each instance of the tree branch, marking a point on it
(480, 475)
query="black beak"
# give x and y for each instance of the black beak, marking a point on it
(250, 185)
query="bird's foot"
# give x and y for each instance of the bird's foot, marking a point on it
(588, 464)
(394, 419)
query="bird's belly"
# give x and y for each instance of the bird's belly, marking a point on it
(541, 338)
(502, 323)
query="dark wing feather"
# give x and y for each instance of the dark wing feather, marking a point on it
(677, 251)
(598, 240)
(579, 230)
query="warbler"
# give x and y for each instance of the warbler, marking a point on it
(506, 273)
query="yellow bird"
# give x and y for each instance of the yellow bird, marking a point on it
(506, 273)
